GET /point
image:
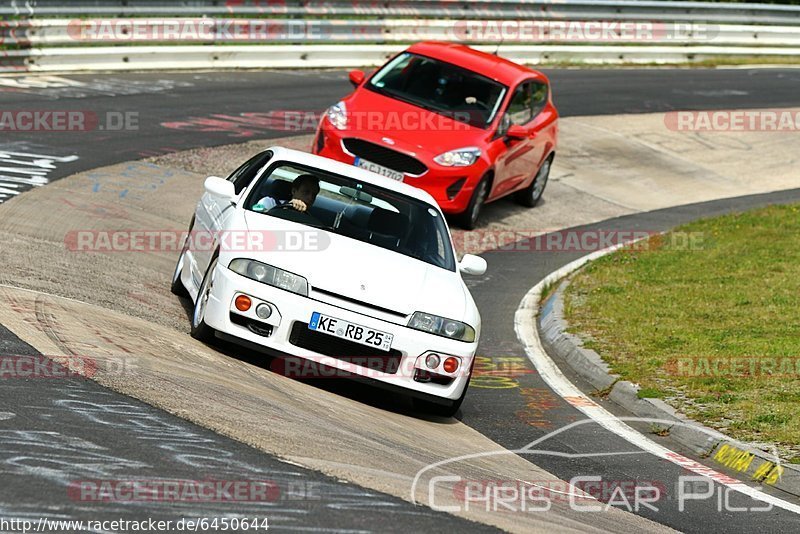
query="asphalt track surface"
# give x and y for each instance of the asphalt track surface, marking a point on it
(69, 432)
(503, 414)
(185, 99)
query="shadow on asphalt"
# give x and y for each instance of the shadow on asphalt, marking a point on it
(352, 389)
(497, 212)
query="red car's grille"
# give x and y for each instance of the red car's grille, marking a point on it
(384, 156)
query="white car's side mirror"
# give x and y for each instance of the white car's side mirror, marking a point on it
(471, 264)
(220, 187)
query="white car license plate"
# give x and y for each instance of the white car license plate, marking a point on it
(379, 169)
(352, 332)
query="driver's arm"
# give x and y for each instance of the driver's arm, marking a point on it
(299, 205)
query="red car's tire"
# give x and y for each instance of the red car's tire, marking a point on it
(468, 219)
(531, 195)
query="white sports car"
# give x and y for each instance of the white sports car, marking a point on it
(334, 270)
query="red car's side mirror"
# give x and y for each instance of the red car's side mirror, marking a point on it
(357, 77)
(516, 131)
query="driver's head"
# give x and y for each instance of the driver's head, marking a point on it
(305, 187)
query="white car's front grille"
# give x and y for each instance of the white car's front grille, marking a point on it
(342, 349)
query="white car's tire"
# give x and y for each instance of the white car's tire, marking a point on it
(177, 287)
(200, 330)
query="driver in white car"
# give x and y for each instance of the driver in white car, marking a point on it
(304, 191)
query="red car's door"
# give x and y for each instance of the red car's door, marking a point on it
(520, 157)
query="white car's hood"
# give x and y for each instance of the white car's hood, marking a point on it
(365, 272)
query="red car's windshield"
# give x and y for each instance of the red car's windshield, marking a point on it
(440, 87)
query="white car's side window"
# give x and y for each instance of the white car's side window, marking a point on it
(244, 175)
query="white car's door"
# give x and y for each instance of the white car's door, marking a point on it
(213, 213)
(203, 233)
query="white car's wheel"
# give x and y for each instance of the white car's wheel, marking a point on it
(177, 287)
(200, 330)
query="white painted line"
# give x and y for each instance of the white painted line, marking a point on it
(528, 334)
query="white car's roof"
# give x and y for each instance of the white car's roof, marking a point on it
(351, 171)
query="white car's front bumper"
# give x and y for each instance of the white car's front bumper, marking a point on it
(290, 308)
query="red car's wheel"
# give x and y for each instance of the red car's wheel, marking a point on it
(531, 195)
(469, 217)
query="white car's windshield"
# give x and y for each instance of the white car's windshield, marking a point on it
(356, 210)
(440, 87)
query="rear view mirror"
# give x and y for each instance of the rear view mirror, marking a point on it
(220, 187)
(471, 264)
(355, 194)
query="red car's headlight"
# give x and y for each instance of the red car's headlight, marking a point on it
(462, 157)
(337, 115)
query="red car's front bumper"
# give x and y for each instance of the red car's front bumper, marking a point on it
(451, 187)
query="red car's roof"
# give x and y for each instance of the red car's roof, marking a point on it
(494, 67)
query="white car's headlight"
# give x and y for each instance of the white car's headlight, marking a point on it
(442, 327)
(337, 115)
(267, 274)
(463, 157)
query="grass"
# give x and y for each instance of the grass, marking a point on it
(665, 316)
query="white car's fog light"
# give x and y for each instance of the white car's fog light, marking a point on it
(263, 311)
(432, 361)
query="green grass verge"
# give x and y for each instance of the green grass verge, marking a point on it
(666, 316)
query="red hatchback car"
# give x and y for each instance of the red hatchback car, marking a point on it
(466, 126)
